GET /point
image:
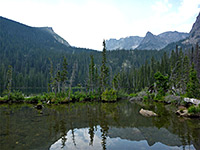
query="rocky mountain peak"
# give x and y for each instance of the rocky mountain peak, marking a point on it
(149, 34)
(194, 35)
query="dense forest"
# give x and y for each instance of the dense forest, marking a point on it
(33, 60)
(31, 66)
(180, 70)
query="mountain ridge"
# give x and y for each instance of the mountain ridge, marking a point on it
(19, 32)
(194, 35)
(149, 42)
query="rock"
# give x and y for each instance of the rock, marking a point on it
(147, 113)
(172, 98)
(132, 99)
(39, 106)
(182, 112)
(192, 100)
(194, 35)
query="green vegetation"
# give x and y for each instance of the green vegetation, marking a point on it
(97, 85)
(193, 86)
(38, 62)
(109, 95)
(194, 109)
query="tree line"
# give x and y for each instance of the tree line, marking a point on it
(181, 71)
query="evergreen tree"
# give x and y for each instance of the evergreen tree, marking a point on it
(104, 70)
(185, 74)
(64, 74)
(58, 81)
(161, 83)
(51, 85)
(193, 85)
(9, 80)
(91, 73)
(75, 66)
(115, 82)
(96, 77)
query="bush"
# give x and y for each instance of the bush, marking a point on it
(194, 109)
(79, 96)
(133, 95)
(5, 98)
(34, 99)
(47, 96)
(16, 96)
(145, 97)
(109, 95)
(122, 94)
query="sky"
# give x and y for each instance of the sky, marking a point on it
(86, 23)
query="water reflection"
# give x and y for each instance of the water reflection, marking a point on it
(95, 126)
(83, 138)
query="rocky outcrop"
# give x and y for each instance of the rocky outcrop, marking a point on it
(172, 99)
(158, 42)
(126, 43)
(147, 113)
(194, 35)
(134, 99)
(148, 42)
(192, 100)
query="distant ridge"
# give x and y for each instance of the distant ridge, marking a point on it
(149, 42)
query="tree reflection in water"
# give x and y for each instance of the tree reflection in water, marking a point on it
(95, 126)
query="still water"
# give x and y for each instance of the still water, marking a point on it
(95, 126)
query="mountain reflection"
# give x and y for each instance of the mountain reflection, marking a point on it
(83, 140)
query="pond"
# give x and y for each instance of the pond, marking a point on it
(99, 126)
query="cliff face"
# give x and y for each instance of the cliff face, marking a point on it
(194, 35)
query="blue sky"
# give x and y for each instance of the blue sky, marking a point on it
(85, 23)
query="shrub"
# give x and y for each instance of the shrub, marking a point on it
(145, 97)
(47, 96)
(79, 96)
(194, 109)
(34, 99)
(16, 96)
(109, 95)
(122, 94)
(5, 98)
(133, 95)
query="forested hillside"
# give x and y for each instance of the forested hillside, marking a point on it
(179, 70)
(28, 50)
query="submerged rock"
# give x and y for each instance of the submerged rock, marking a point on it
(39, 106)
(147, 113)
(183, 112)
(132, 99)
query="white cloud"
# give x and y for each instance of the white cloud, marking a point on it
(86, 23)
(161, 6)
(167, 19)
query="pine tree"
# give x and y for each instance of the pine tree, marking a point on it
(115, 82)
(58, 80)
(75, 66)
(91, 73)
(193, 86)
(96, 77)
(51, 85)
(104, 70)
(64, 74)
(161, 83)
(9, 80)
(185, 74)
